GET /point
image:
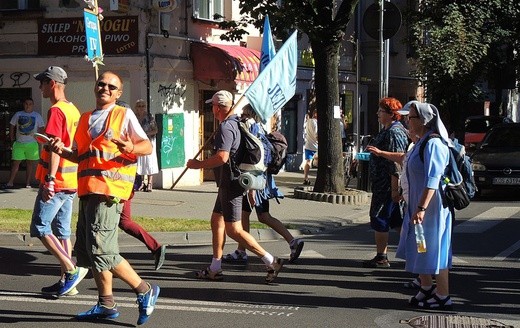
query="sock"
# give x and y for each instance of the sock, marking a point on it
(73, 271)
(216, 264)
(107, 301)
(420, 295)
(268, 259)
(142, 288)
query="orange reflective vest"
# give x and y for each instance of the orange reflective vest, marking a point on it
(66, 175)
(102, 168)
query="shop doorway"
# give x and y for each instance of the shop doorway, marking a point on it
(11, 101)
(208, 126)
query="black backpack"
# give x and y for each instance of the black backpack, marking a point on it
(458, 176)
(278, 152)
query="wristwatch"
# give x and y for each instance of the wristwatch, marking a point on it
(49, 178)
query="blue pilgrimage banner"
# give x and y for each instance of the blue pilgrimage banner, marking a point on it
(276, 83)
(268, 50)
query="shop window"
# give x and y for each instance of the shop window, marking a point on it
(19, 4)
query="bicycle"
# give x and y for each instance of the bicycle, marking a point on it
(350, 161)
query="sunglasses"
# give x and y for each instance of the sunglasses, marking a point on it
(111, 87)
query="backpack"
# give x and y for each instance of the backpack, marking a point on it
(252, 157)
(278, 153)
(458, 175)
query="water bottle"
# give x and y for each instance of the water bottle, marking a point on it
(419, 238)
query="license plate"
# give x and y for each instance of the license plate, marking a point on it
(506, 181)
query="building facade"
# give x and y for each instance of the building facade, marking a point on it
(169, 53)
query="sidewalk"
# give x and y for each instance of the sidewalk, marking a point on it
(197, 202)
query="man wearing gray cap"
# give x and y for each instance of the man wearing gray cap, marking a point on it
(227, 212)
(52, 214)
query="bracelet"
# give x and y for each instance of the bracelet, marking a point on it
(421, 208)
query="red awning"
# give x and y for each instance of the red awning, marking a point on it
(224, 62)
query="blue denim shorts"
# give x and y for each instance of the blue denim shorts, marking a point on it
(53, 216)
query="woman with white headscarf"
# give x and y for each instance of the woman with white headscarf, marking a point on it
(425, 206)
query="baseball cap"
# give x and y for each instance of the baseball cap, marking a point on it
(222, 97)
(54, 73)
(404, 111)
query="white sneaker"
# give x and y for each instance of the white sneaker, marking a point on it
(296, 249)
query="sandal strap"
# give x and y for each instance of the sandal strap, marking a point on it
(438, 304)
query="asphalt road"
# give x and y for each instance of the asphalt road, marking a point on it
(326, 288)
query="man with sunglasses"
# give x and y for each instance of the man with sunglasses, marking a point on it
(106, 146)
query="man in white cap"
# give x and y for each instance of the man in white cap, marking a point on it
(226, 215)
(52, 214)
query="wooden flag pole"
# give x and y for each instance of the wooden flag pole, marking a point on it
(204, 145)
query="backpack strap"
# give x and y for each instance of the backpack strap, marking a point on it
(423, 145)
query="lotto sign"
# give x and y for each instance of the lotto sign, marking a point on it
(93, 36)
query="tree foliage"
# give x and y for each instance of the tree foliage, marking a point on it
(460, 43)
(325, 23)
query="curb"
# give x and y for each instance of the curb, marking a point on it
(353, 196)
(166, 238)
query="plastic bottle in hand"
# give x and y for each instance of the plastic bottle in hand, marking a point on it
(419, 238)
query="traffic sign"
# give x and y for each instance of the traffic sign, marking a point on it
(391, 20)
(93, 36)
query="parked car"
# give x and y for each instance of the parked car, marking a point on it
(475, 128)
(496, 162)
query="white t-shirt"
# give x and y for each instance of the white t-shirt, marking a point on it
(311, 134)
(26, 125)
(130, 125)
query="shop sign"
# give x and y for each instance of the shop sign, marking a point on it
(66, 36)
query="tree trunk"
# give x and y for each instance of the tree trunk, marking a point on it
(330, 176)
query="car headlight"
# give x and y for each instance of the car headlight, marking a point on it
(477, 166)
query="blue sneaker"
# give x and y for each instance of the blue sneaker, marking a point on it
(54, 289)
(72, 280)
(146, 303)
(99, 312)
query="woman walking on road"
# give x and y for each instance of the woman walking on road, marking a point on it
(426, 206)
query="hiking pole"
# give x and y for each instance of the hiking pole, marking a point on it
(205, 143)
(194, 157)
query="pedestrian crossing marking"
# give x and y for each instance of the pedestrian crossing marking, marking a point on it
(163, 304)
(505, 253)
(486, 220)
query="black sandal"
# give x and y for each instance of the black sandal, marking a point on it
(437, 305)
(427, 294)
